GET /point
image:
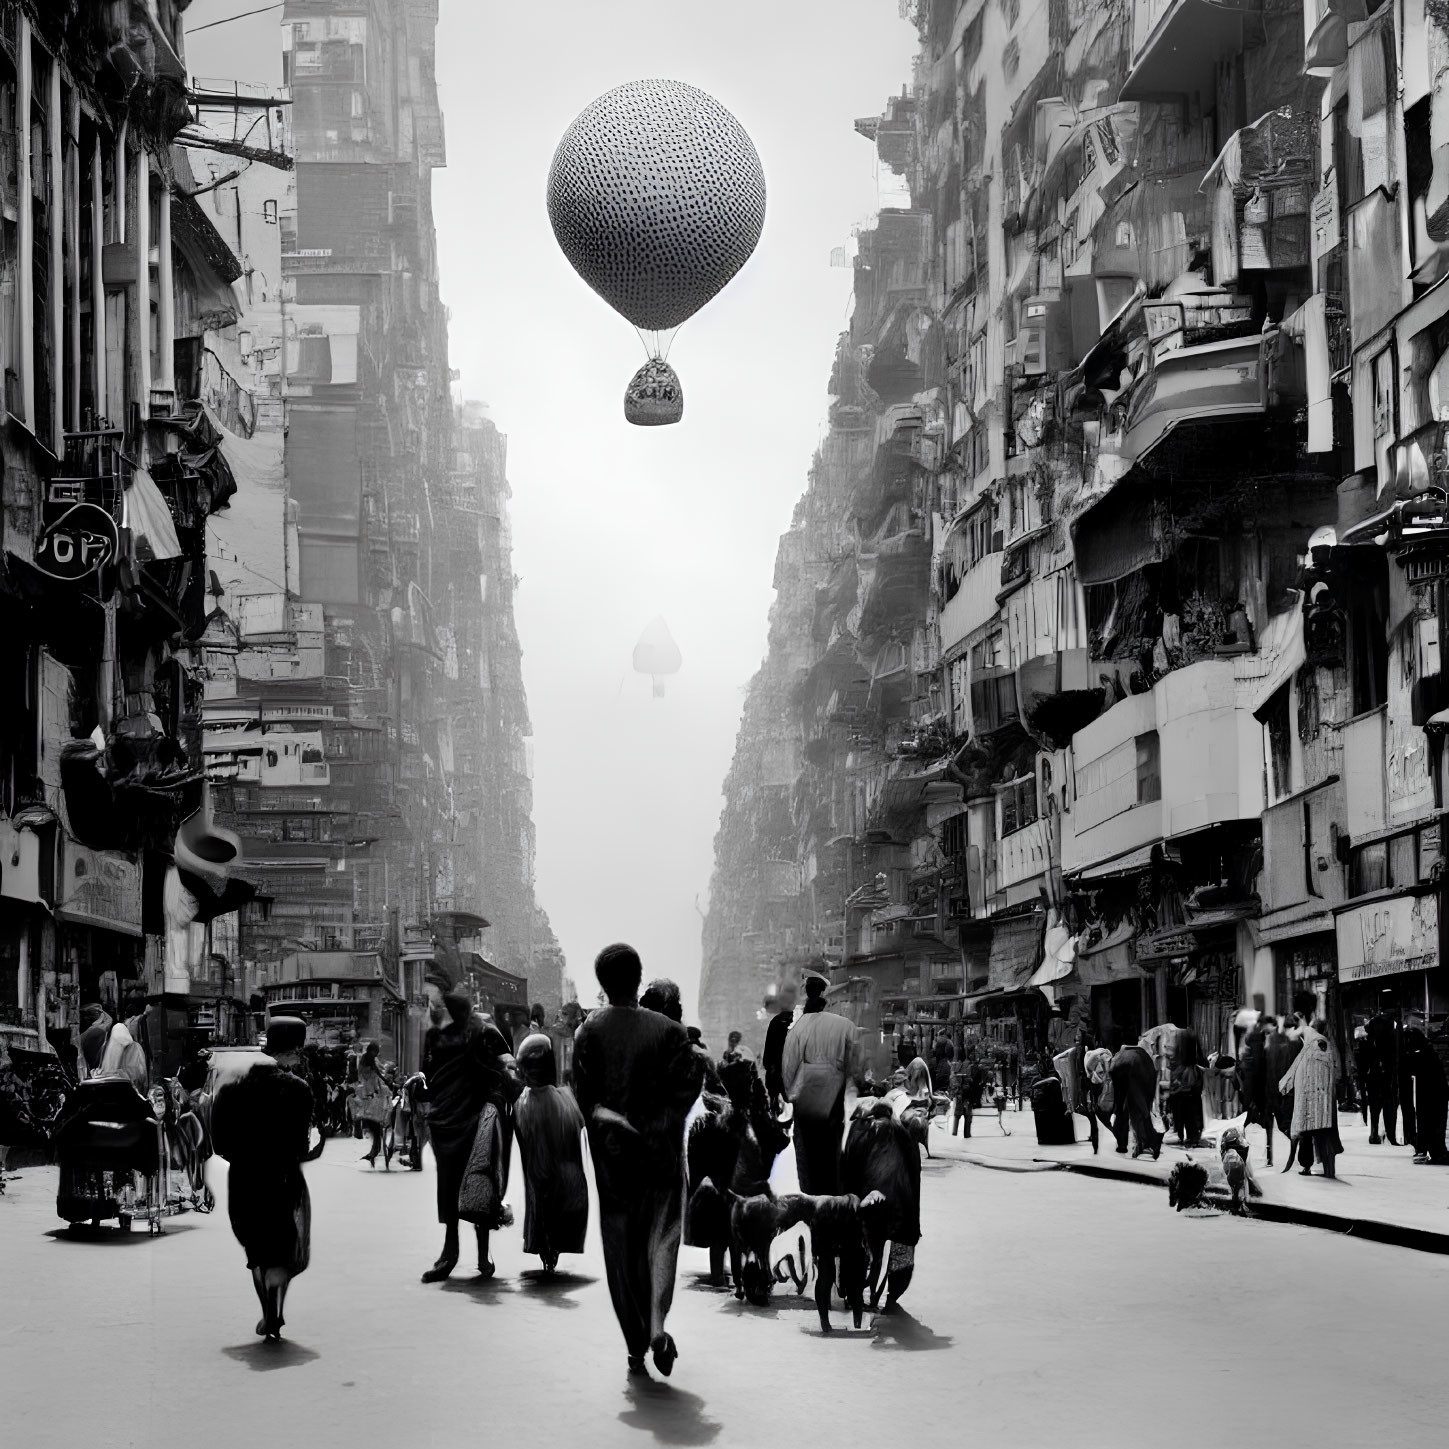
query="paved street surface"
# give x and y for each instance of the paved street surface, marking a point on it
(1047, 1309)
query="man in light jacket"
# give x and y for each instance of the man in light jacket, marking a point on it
(820, 1059)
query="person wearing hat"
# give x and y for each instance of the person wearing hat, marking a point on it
(468, 1065)
(636, 1077)
(550, 1144)
(261, 1124)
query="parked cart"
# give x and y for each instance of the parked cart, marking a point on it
(112, 1157)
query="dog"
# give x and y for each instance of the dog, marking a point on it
(839, 1243)
(1185, 1185)
(1238, 1170)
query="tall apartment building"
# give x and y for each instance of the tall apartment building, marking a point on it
(1120, 702)
(257, 573)
(113, 272)
(372, 747)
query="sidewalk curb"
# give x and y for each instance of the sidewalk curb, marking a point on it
(1373, 1230)
(1037, 1164)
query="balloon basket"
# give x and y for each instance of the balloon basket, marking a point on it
(654, 397)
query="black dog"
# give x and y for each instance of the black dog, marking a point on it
(839, 1241)
(1186, 1184)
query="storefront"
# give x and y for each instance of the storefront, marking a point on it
(1197, 980)
(1105, 978)
(1388, 958)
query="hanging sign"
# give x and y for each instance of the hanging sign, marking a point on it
(83, 540)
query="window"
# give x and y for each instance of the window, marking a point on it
(1018, 805)
(1149, 769)
(1368, 869)
(1280, 749)
(1368, 651)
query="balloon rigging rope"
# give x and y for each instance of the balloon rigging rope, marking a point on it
(652, 349)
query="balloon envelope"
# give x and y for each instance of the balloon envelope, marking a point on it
(657, 198)
(656, 652)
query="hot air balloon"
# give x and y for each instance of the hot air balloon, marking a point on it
(657, 654)
(657, 198)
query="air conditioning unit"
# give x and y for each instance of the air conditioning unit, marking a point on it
(1045, 334)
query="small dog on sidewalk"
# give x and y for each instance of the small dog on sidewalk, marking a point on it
(1185, 1184)
(1238, 1170)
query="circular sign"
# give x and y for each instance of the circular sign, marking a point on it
(81, 541)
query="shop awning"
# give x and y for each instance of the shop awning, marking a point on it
(1108, 959)
(1117, 538)
(1125, 864)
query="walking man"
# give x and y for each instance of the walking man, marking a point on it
(819, 1061)
(636, 1077)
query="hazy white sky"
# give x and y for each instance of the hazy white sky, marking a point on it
(615, 524)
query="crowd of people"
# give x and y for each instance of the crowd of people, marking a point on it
(677, 1139)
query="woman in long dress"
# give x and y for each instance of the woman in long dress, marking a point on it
(469, 1069)
(550, 1131)
(370, 1102)
(261, 1119)
(1311, 1080)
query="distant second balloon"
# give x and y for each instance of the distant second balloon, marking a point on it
(657, 655)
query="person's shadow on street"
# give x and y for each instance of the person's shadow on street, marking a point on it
(263, 1357)
(673, 1416)
(480, 1289)
(898, 1329)
(556, 1290)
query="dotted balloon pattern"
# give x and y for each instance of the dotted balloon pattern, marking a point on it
(657, 198)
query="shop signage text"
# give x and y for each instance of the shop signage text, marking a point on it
(100, 889)
(81, 541)
(1389, 936)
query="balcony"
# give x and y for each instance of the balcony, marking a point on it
(973, 603)
(1235, 378)
(1022, 859)
(1177, 44)
(1182, 757)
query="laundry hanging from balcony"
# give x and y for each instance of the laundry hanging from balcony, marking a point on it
(145, 513)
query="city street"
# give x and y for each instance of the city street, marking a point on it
(1044, 1304)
